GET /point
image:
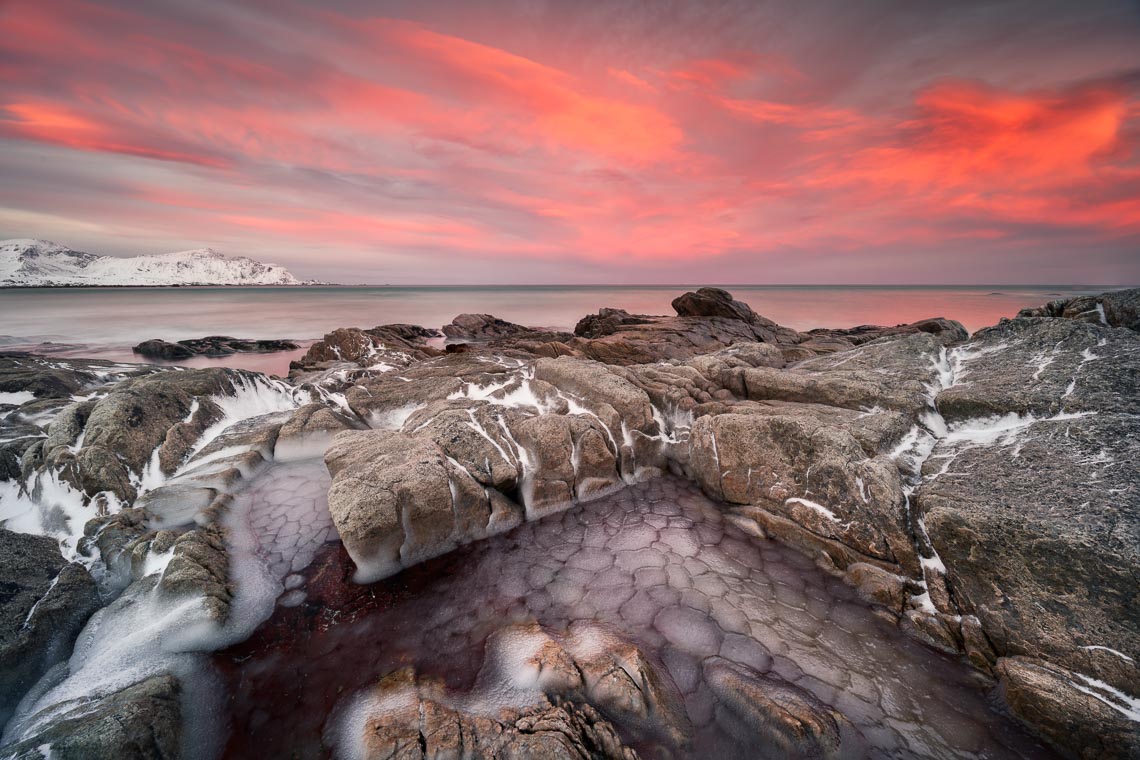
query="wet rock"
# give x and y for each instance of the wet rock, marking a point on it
(1119, 308)
(392, 501)
(420, 727)
(794, 722)
(44, 601)
(1043, 367)
(570, 459)
(310, 430)
(212, 345)
(607, 322)
(140, 722)
(482, 327)
(46, 378)
(878, 586)
(708, 320)
(713, 302)
(386, 345)
(802, 469)
(1081, 715)
(571, 686)
(947, 331)
(200, 568)
(107, 444)
(620, 681)
(161, 349)
(12, 453)
(1036, 513)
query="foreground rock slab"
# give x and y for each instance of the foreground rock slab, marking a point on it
(44, 601)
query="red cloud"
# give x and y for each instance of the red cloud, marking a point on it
(388, 133)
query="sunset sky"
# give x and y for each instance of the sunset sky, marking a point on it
(584, 142)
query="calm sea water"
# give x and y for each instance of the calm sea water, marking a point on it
(105, 323)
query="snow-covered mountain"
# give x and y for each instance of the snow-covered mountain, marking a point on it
(39, 264)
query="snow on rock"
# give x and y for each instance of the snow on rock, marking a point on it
(40, 263)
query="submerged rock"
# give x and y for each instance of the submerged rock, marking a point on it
(791, 722)
(213, 345)
(539, 694)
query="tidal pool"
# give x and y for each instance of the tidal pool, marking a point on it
(657, 562)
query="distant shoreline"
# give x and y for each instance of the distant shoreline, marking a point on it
(213, 285)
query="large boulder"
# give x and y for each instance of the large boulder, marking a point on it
(211, 345)
(383, 346)
(708, 320)
(1119, 308)
(161, 349)
(482, 327)
(811, 473)
(1071, 710)
(1030, 498)
(713, 302)
(44, 602)
(398, 499)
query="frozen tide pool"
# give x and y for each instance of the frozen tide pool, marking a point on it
(660, 565)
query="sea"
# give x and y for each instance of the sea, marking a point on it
(106, 322)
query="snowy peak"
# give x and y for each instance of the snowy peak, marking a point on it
(40, 263)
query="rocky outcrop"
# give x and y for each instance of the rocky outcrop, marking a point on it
(141, 722)
(484, 327)
(382, 347)
(1031, 502)
(44, 601)
(714, 302)
(1072, 710)
(946, 330)
(708, 320)
(213, 345)
(1120, 308)
(980, 492)
(569, 689)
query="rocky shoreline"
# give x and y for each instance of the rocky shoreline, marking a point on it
(978, 493)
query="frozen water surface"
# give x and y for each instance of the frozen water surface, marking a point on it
(658, 562)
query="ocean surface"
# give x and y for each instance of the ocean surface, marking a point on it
(106, 322)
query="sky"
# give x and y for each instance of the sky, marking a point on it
(567, 141)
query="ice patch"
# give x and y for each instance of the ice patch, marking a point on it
(923, 602)
(48, 506)
(16, 398)
(1115, 698)
(1001, 430)
(393, 419)
(1121, 655)
(253, 397)
(156, 562)
(32, 611)
(814, 506)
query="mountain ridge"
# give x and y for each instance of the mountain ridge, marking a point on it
(32, 263)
